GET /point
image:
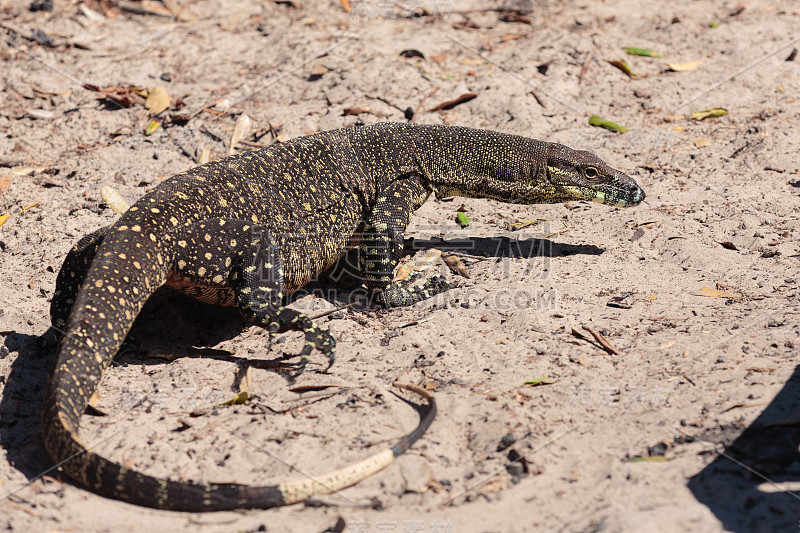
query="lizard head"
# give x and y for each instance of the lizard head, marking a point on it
(580, 175)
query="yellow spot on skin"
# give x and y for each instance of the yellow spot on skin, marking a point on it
(208, 256)
(201, 271)
(223, 202)
(207, 237)
(181, 264)
(152, 237)
(155, 210)
(123, 228)
(233, 243)
(217, 279)
(137, 228)
(182, 244)
(173, 220)
(136, 265)
(111, 289)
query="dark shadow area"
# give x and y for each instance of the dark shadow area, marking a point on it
(170, 325)
(21, 404)
(345, 273)
(741, 499)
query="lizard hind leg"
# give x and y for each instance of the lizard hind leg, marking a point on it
(257, 282)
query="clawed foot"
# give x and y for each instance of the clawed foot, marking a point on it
(316, 337)
(398, 295)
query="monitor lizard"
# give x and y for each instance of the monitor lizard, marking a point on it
(249, 229)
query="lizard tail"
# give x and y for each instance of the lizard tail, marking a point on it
(101, 317)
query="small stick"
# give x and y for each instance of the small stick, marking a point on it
(331, 311)
(585, 68)
(602, 341)
(414, 116)
(538, 100)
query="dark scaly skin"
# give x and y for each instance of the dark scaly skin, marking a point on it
(249, 229)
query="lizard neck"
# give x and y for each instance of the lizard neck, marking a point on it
(458, 161)
(483, 164)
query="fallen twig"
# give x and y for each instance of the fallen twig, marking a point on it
(602, 341)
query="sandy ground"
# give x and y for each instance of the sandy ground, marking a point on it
(692, 426)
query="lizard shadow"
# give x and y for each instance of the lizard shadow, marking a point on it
(736, 493)
(20, 407)
(170, 325)
(345, 273)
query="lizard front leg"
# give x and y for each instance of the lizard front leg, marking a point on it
(381, 244)
(241, 256)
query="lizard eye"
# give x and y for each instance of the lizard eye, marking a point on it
(591, 172)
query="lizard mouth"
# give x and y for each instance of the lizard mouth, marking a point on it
(630, 196)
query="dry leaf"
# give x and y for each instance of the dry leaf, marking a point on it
(239, 399)
(624, 67)
(403, 271)
(683, 67)
(157, 100)
(114, 199)
(346, 5)
(151, 128)
(450, 104)
(715, 293)
(708, 113)
(496, 484)
(3, 219)
(428, 259)
(646, 52)
(412, 52)
(42, 114)
(601, 122)
(22, 171)
(29, 206)
(356, 110)
(5, 183)
(240, 130)
(701, 142)
(319, 70)
(516, 226)
(512, 37)
(455, 265)
(94, 399)
(316, 388)
(760, 369)
(205, 155)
